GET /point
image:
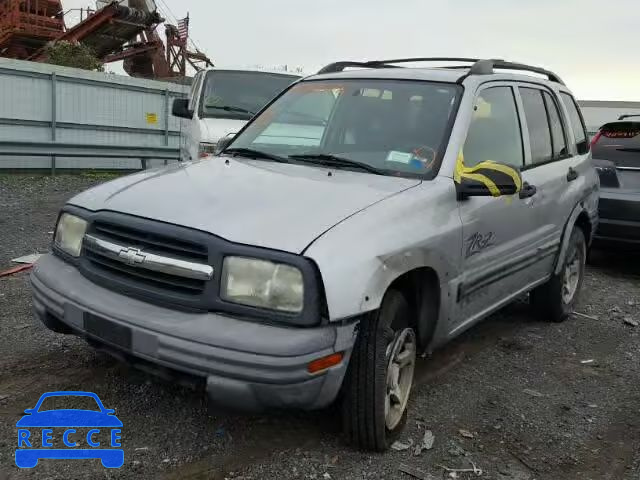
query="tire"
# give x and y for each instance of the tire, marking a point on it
(550, 301)
(383, 335)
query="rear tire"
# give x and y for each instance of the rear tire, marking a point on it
(380, 376)
(555, 300)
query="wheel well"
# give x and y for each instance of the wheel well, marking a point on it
(583, 222)
(421, 288)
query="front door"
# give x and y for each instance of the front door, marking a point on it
(502, 236)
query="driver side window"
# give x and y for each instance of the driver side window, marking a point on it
(494, 133)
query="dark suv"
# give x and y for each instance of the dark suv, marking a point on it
(616, 153)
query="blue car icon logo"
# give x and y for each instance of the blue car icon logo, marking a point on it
(69, 433)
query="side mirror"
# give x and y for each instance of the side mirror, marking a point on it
(181, 108)
(488, 179)
(29, 411)
(109, 411)
(224, 143)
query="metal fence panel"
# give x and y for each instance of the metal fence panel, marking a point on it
(40, 102)
(24, 98)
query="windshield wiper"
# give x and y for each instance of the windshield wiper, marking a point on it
(328, 160)
(251, 153)
(231, 109)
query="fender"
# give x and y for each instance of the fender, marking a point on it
(417, 228)
(394, 266)
(582, 206)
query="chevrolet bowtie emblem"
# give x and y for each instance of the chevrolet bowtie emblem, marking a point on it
(132, 256)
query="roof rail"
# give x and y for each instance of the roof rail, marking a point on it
(629, 115)
(486, 67)
(477, 67)
(340, 66)
(427, 59)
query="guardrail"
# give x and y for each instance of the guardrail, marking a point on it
(58, 149)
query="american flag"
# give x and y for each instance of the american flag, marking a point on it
(183, 28)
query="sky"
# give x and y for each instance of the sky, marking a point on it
(592, 45)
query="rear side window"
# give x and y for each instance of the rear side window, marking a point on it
(618, 142)
(494, 133)
(577, 123)
(537, 124)
(558, 139)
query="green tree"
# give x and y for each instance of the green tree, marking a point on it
(76, 55)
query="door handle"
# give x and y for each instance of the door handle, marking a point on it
(572, 175)
(528, 190)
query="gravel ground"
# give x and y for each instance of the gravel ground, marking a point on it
(533, 400)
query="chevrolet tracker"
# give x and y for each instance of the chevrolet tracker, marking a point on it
(368, 214)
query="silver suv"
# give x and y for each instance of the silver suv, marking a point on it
(366, 215)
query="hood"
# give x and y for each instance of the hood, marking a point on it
(273, 205)
(216, 128)
(69, 418)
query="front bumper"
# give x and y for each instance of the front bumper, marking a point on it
(619, 220)
(246, 365)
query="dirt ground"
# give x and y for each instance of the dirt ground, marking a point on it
(533, 400)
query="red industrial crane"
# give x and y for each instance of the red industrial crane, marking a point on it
(146, 55)
(118, 31)
(27, 25)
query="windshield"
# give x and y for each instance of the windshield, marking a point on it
(68, 402)
(396, 127)
(240, 94)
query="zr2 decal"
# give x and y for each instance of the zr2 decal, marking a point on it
(478, 242)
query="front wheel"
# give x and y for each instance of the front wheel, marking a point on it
(380, 376)
(556, 299)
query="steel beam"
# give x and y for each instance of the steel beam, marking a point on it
(59, 149)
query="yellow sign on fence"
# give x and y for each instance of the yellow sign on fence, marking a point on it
(152, 118)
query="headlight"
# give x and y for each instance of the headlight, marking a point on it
(261, 283)
(206, 149)
(69, 234)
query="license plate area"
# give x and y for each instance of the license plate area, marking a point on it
(110, 332)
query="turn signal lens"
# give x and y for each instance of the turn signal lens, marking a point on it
(325, 362)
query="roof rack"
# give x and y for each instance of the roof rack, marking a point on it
(340, 66)
(486, 67)
(477, 67)
(628, 115)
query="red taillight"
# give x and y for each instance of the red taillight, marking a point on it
(596, 138)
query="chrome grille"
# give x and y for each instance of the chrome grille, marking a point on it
(150, 242)
(142, 259)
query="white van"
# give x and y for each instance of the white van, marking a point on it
(220, 103)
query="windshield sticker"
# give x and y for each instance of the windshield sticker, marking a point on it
(399, 157)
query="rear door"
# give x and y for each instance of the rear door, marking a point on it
(583, 179)
(551, 168)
